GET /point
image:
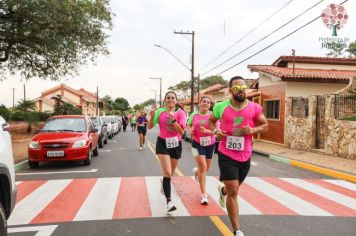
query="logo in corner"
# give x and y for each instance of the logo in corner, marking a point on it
(334, 17)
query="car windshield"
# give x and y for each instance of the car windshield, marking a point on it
(65, 124)
(95, 121)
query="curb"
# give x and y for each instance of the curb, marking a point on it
(21, 165)
(311, 167)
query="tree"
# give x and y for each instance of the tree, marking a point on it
(335, 50)
(334, 17)
(63, 108)
(121, 104)
(138, 107)
(212, 80)
(107, 102)
(51, 39)
(26, 105)
(352, 49)
(5, 112)
(183, 88)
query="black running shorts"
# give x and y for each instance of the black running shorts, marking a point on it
(142, 130)
(174, 153)
(231, 169)
(206, 151)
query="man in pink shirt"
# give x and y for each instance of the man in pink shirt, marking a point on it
(240, 120)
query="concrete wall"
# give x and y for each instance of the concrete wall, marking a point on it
(71, 96)
(304, 89)
(340, 135)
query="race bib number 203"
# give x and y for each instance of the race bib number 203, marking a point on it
(235, 143)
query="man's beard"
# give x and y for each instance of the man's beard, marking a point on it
(239, 98)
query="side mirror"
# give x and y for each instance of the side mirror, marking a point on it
(94, 130)
(6, 127)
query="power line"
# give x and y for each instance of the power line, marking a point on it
(250, 32)
(266, 36)
(274, 42)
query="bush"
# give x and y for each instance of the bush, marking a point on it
(5, 112)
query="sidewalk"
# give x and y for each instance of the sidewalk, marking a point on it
(329, 165)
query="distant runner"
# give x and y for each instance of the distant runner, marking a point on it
(240, 120)
(142, 129)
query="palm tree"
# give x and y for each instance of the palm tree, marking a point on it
(26, 105)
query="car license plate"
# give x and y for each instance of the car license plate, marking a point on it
(55, 153)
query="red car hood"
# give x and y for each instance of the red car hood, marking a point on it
(62, 137)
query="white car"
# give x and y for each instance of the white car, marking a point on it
(7, 176)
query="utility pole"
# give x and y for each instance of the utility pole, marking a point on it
(192, 68)
(24, 92)
(97, 100)
(13, 97)
(198, 78)
(160, 90)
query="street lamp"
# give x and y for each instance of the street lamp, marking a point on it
(160, 90)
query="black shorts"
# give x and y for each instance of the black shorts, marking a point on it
(142, 130)
(206, 151)
(174, 153)
(231, 169)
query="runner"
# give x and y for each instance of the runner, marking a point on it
(142, 129)
(133, 122)
(172, 122)
(240, 120)
(203, 144)
(125, 120)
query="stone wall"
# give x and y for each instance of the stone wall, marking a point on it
(340, 135)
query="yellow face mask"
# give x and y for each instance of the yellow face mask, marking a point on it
(238, 88)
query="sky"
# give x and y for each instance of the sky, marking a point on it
(139, 24)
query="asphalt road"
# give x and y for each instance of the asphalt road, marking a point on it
(118, 194)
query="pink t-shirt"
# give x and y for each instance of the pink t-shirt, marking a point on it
(166, 129)
(232, 120)
(197, 120)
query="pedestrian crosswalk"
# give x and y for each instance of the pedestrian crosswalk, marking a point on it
(65, 200)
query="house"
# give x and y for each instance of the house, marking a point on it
(297, 76)
(82, 99)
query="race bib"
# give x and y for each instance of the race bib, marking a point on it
(235, 143)
(172, 142)
(205, 141)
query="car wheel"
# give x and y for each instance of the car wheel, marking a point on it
(33, 164)
(87, 161)
(106, 140)
(96, 151)
(3, 222)
(101, 142)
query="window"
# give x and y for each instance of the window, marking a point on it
(271, 109)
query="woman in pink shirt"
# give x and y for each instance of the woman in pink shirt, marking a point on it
(171, 119)
(203, 144)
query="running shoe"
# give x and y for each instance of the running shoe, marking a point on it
(239, 233)
(222, 198)
(195, 172)
(170, 207)
(204, 199)
(140, 148)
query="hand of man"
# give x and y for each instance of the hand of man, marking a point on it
(247, 130)
(221, 134)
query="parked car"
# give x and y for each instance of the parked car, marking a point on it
(64, 138)
(102, 130)
(7, 176)
(115, 123)
(110, 126)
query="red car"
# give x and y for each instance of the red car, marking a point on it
(64, 138)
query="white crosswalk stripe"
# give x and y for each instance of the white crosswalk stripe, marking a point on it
(29, 207)
(100, 203)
